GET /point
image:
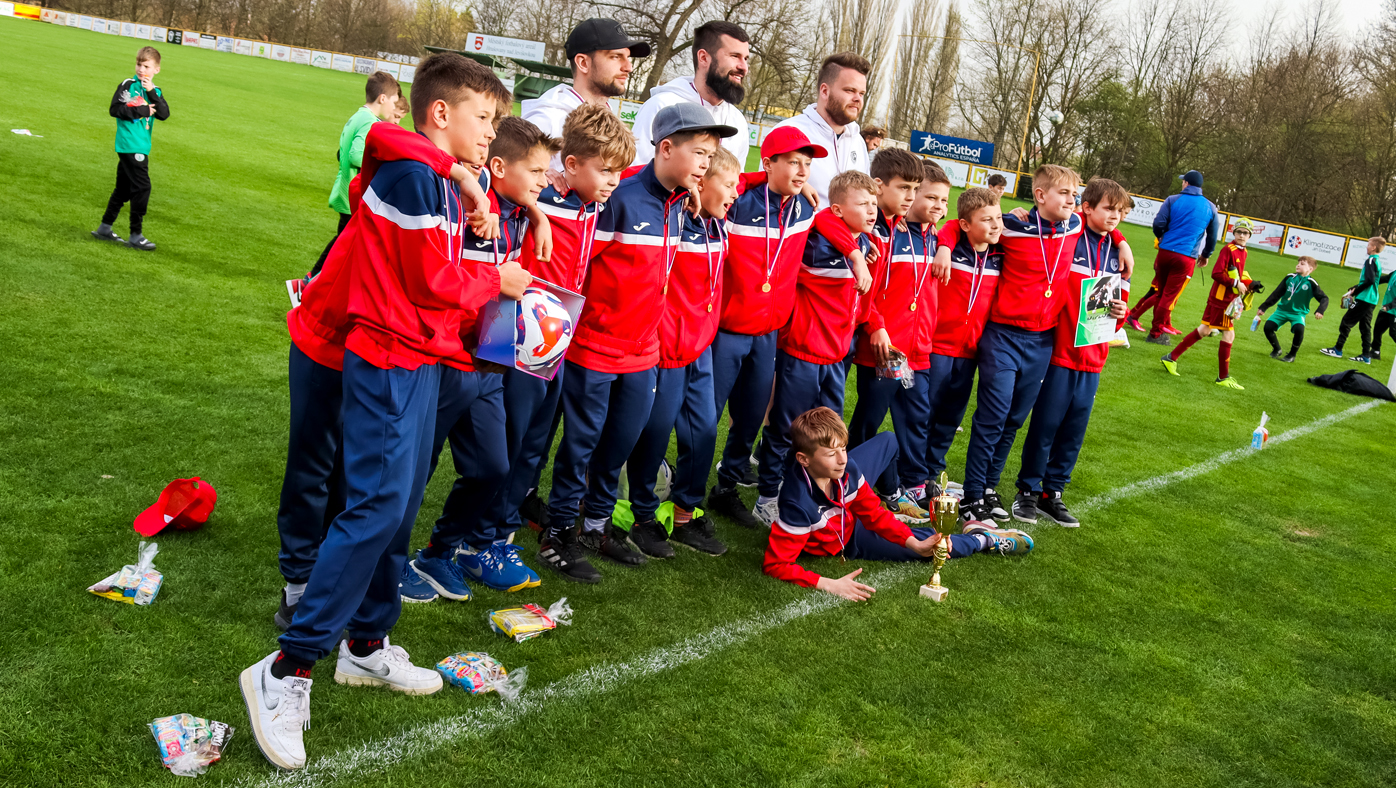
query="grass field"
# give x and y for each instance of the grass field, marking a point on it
(1232, 628)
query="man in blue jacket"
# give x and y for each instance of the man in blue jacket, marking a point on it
(1185, 224)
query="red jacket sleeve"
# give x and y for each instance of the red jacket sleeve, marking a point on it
(783, 549)
(1117, 237)
(868, 508)
(750, 180)
(1221, 269)
(391, 142)
(874, 320)
(835, 231)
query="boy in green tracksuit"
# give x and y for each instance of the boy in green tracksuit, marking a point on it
(1293, 296)
(382, 93)
(1364, 300)
(136, 104)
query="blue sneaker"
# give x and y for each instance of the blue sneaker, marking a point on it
(444, 575)
(498, 566)
(413, 588)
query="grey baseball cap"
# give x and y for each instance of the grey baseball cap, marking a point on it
(686, 117)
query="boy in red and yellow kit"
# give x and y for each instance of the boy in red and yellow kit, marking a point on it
(1229, 282)
(829, 298)
(683, 394)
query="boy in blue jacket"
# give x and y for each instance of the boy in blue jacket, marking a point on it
(136, 105)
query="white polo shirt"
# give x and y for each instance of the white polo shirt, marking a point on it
(847, 151)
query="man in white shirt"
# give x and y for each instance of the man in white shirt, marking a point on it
(721, 55)
(832, 121)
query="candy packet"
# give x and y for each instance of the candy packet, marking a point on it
(188, 744)
(898, 369)
(135, 584)
(529, 621)
(478, 673)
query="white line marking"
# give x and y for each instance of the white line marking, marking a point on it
(420, 740)
(1159, 482)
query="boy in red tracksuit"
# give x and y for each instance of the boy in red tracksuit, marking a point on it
(828, 508)
(766, 231)
(683, 394)
(407, 289)
(611, 363)
(1229, 282)
(1063, 407)
(828, 302)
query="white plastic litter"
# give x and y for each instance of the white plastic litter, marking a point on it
(1261, 435)
(26, 133)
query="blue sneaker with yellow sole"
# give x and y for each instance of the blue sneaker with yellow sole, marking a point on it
(499, 567)
(412, 588)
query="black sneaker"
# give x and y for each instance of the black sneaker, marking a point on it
(698, 534)
(1051, 504)
(610, 542)
(975, 511)
(750, 478)
(107, 235)
(1288, 359)
(1161, 339)
(534, 512)
(1375, 355)
(651, 539)
(728, 503)
(138, 241)
(563, 555)
(1025, 507)
(284, 614)
(1276, 353)
(995, 504)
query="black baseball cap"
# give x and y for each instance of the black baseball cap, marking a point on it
(686, 117)
(598, 34)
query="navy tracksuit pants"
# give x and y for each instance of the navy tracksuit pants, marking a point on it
(602, 414)
(1012, 363)
(952, 382)
(312, 491)
(800, 386)
(530, 406)
(389, 416)
(743, 375)
(873, 457)
(1058, 429)
(683, 404)
(911, 416)
(470, 414)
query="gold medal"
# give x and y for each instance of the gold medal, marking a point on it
(710, 307)
(766, 288)
(913, 306)
(1048, 293)
(666, 290)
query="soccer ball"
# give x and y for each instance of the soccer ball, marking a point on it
(544, 328)
(1055, 117)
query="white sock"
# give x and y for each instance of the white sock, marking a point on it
(762, 500)
(593, 524)
(983, 541)
(294, 592)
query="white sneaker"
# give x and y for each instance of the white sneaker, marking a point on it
(767, 512)
(280, 712)
(387, 667)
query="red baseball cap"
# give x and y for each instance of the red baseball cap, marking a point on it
(184, 503)
(784, 139)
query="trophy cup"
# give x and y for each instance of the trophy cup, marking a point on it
(945, 513)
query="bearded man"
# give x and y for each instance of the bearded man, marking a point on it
(832, 121)
(721, 58)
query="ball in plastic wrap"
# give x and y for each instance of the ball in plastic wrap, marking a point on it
(544, 328)
(1055, 117)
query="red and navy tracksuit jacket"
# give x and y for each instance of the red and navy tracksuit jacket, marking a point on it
(964, 304)
(573, 224)
(693, 305)
(1095, 255)
(905, 297)
(637, 241)
(827, 303)
(766, 236)
(812, 523)
(486, 252)
(1036, 271)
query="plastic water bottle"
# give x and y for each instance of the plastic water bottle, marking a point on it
(1255, 322)
(1261, 435)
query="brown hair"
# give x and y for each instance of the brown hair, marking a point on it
(851, 180)
(148, 53)
(892, 163)
(593, 130)
(998, 180)
(723, 163)
(1049, 175)
(1103, 191)
(933, 173)
(449, 77)
(515, 138)
(402, 104)
(818, 428)
(1379, 241)
(837, 62)
(972, 199)
(381, 83)
(708, 37)
(869, 132)
(1307, 259)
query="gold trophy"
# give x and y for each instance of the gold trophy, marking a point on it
(945, 513)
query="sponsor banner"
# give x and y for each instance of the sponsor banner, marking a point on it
(261, 49)
(387, 68)
(159, 33)
(1320, 246)
(628, 111)
(957, 148)
(405, 74)
(753, 136)
(342, 62)
(143, 32)
(45, 15)
(1357, 255)
(957, 171)
(241, 47)
(73, 20)
(224, 43)
(128, 29)
(187, 38)
(7, 9)
(364, 65)
(24, 11)
(1268, 235)
(1145, 209)
(113, 27)
(280, 52)
(395, 58)
(206, 40)
(321, 59)
(300, 56)
(84, 22)
(979, 176)
(504, 47)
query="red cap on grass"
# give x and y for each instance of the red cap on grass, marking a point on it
(784, 139)
(184, 503)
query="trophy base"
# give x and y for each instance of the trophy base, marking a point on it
(935, 593)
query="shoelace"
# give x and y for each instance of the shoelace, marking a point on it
(395, 655)
(490, 558)
(295, 704)
(511, 554)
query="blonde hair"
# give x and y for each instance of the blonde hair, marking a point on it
(1312, 262)
(723, 163)
(592, 130)
(850, 181)
(972, 199)
(1049, 175)
(818, 428)
(1379, 241)
(148, 53)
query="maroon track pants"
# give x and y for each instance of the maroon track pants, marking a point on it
(1171, 272)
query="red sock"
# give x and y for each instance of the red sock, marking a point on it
(1224, 360)
(1188, 341)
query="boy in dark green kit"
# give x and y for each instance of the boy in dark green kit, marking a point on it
(1362, 300)
(1293, 296)
(136, 105)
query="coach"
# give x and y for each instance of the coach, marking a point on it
(721, 56)
(599, 53)
(1185, 223)
(832, 121)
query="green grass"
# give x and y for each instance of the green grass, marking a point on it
(1231, 630)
